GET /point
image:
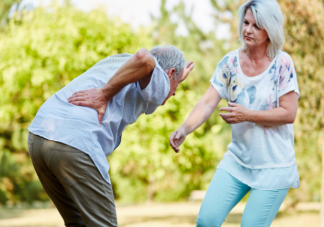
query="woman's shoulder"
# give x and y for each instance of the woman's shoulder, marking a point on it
(230, 59)
(284, 57)
(232, 54)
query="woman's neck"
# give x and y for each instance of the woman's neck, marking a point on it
(256, 54)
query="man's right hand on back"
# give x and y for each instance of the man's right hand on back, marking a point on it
(93, 98)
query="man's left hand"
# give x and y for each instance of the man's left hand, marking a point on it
(189, 67)
(237, 113)
(93, 98)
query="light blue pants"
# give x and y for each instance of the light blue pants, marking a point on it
(225, 192)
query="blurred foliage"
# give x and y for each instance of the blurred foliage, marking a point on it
(5, 7)
(304, 43)
(43, 50)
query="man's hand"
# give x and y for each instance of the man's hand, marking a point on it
(176, 139)
(93, 98)
(237, 113)
(187, 70)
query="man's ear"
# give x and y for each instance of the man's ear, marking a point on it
(171, 73)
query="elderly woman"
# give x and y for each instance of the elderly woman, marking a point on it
(259, 82)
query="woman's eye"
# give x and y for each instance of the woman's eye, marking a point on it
(245, 22)
(256, 26)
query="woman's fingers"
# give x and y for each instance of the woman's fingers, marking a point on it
(229, 120)
(177, 135)
(172, 137)
(175, 140)
(227, 115)
(228, 109)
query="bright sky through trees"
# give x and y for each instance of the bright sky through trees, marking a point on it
(138, 12)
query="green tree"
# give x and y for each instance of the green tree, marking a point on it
(4, 8)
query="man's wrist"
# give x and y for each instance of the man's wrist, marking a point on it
(107, 92)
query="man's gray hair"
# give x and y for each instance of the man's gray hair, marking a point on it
(268, 16)
(169, 57)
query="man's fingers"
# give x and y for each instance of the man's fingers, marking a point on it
(78, 93)
(76, 98)
(100, 116)
(188, 68)
(80, 103)
(190, 65)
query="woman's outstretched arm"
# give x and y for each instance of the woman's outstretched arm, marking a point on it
(201, 112)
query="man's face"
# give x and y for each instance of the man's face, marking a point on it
(173, 83)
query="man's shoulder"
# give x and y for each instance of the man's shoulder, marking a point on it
(117, 58)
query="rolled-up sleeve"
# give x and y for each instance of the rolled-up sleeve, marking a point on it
(158, 87)
(220, 78)
(287, 76)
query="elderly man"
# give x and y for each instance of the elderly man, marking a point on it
(69, 142)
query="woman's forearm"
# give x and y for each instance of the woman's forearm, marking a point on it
(202, 110)
(197, 117)
(285, 114)
(275, 117)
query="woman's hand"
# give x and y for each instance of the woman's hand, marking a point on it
(176, 139)
(237, 113)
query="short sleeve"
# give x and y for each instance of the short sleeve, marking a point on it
(287, 76)
(221, 77)
(158, 88)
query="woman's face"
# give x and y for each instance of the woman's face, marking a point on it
(253, 36)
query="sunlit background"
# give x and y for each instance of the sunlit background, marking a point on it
(45, 44)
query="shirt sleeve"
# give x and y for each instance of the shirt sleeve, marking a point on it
(221, 78)
(158, 88)
(287, 76)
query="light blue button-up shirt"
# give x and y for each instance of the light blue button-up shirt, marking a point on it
(78, 126)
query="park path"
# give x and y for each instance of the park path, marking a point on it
(164, 215)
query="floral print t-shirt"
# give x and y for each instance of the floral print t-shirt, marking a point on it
(262, 157)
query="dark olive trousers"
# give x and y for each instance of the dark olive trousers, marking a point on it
(73, 182)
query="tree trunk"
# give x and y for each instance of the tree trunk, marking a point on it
(151, 190)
